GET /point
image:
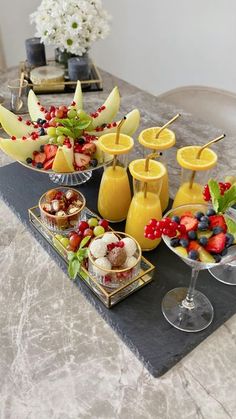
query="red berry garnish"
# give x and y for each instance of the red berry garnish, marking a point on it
(13, 137)
(19, 118)
(227, 185)
(181, 228)
(48, 116)
(153, 222)
(28, 122)
(104, 224)
(206, 193)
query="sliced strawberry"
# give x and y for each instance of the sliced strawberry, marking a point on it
(50, 150)
(48, 164)
(81, 159)
(216, 244)
(189, 222)
(193, 245)
(89, 148)
(40, 158)
(218, 221)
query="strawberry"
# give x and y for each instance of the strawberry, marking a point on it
(218, 221)
(189, 222)
(81, 159)
(48, 164)
(89, 148)
(40, 158)
(50, 151)
(193, 245)
(216, 244)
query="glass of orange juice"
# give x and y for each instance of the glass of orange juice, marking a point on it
(194, 174)
(163, 142)
(145, 203)
(114, 193)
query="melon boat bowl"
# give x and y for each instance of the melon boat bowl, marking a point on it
(63, 139)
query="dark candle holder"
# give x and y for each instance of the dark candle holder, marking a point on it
(35, 52)
(79, 68)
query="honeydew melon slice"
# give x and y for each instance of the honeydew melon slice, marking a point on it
(129, 127)
(21, 149)
(112, 105)
(100, 155)
(78, 96)
(34, 107)
(11, 124)
(63, 162)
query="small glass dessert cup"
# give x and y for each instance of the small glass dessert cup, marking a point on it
(188, 309)
(103, 267)
(60, 208)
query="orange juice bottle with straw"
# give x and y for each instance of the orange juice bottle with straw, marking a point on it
(147, 180)
(160, 139)
(114, 193)
(195, 162)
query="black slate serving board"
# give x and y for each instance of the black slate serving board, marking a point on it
(138, 319)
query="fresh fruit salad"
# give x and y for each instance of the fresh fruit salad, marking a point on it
(204, 235)
(114, 258)
(63, 138)
(60, 208)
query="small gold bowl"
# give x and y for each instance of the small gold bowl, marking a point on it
(61, 222)
(114, 278)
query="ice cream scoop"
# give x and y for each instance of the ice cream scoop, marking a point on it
(117, 256)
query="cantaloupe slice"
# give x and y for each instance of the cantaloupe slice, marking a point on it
(21, 149)
(11, 124)
(34, 107)
(63, 162)
(129, 127)
(78, 96)
(112, 105)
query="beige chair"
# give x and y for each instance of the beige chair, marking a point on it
(215, 106)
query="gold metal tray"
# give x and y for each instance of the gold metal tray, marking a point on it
(109, 297)
(95, 82)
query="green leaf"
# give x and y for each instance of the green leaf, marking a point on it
(215, 193)
(229, 199)
(71, 255)
(73, 268)
(65, 131)
(66, 122)
(77, 132)
(83, 124)
(84, 242)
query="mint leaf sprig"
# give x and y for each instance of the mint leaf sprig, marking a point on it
(76, 258)
(73, 127)
(220, 202)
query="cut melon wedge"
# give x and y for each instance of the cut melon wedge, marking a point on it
(11, 124)
(63, 162)
(21, 149)
(112, 105)
(129, 126)
(78, 96)
(34, 107)
(100, 155)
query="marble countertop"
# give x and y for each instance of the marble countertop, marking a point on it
(59, 359)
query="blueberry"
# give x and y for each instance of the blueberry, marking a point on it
(229, 239)
(217, 230)
(42, 131)
(205, 218)
(203, 241)
(192, 235)
(217, 258)
(43, 121)
(42, 148)
(224, 252)
(39, 165)
(184, 242)
(193, 254)
(176, 219)
(94, 162)
(199, 215)
(29, 160)
(203, 226)
(39, 121)
(174, 242)
(81, 141)
(210, 212)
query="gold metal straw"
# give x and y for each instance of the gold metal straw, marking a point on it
(215, 140)
(147, 160)
(167, 124)
(117, 140)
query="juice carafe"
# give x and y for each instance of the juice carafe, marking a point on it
(194, 174)
(145, 203)
(114, 193)
(164, 141)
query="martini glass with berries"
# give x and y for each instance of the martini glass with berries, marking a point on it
(200, 236)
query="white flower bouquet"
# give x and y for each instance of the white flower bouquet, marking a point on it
(71, 25)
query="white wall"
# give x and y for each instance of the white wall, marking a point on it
(154, 44)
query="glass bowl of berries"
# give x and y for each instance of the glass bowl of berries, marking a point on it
(60, 208)
(114, 259)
